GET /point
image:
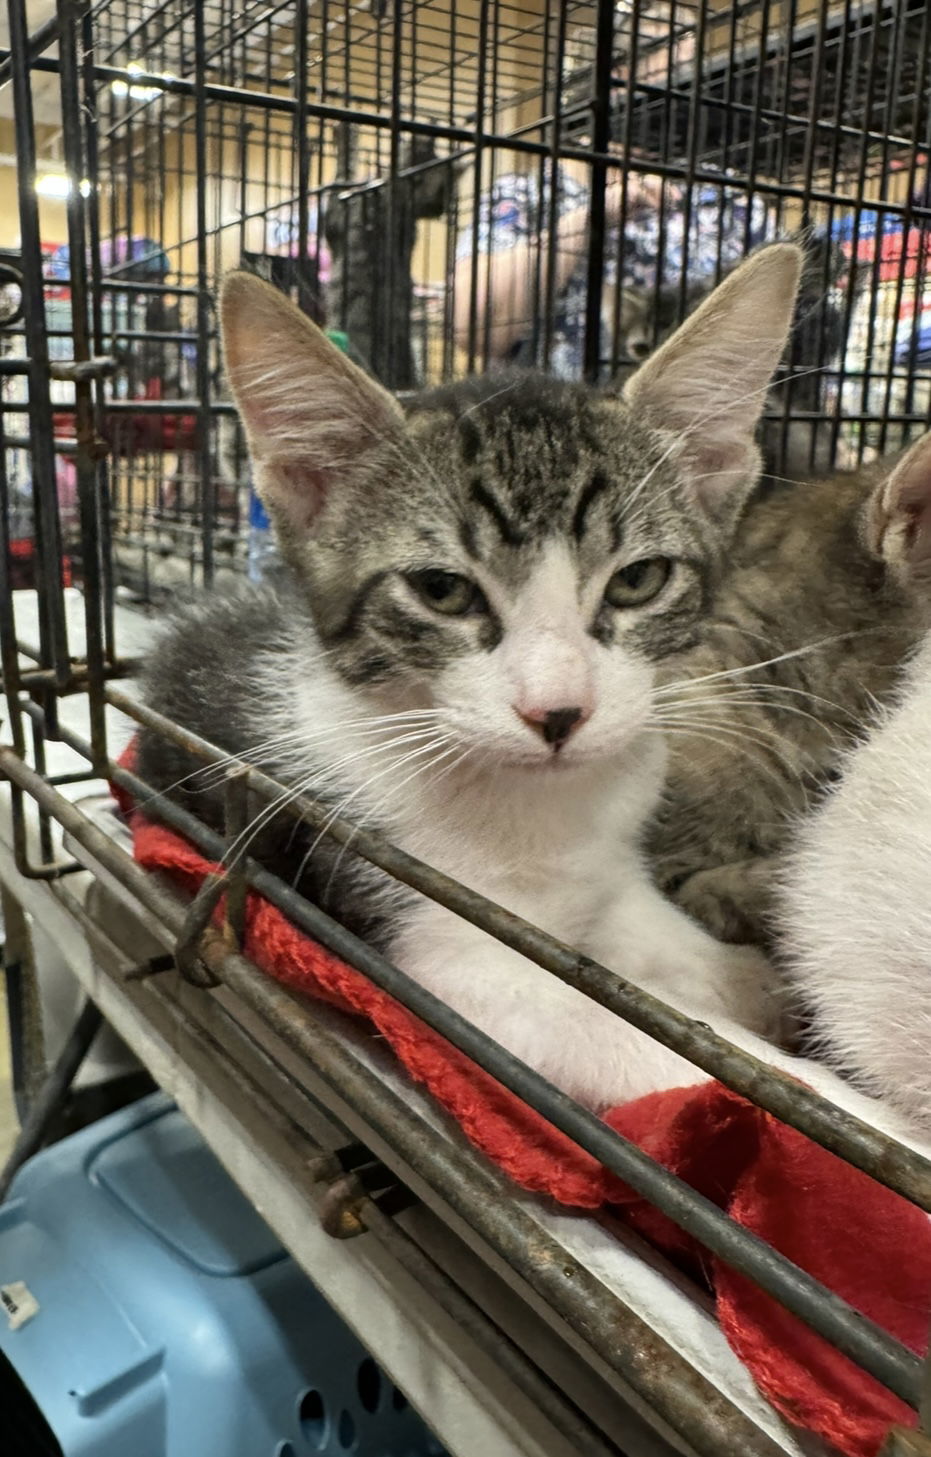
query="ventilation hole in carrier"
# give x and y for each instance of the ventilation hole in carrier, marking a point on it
(368, 1384)
(398, 1400)
(312, 1417)
(284, 1449)
(346, 1430)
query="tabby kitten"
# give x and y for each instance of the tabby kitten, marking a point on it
(481, 595)
(797, 449)
(824, 598)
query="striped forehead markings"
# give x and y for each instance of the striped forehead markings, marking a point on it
(509, 531)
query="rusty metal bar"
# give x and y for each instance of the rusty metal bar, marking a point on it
(78, 370)
(903, 1442)
(51, 1096)
(236, 820)
(196, 924)
(37, 678)
(565, 1417)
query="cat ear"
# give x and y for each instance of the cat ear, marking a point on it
(313, 421)
(708, 382)
(898, 514)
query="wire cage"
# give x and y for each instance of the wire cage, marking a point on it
(213, 154)
(377, 159)
(740, 117)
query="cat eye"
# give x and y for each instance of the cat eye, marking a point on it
(448, 592)
(638, 582)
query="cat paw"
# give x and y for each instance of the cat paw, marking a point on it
(728, 901)
(745, 991)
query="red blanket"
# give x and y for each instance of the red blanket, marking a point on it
(869, 1245)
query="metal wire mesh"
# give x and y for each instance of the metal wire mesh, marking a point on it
(296, 139)
(290, 138)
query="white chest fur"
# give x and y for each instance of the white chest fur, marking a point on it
(550, 846)
(559, 847)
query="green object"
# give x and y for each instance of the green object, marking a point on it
(339, 338)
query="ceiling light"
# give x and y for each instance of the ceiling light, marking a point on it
(58, 184)
(137, 92)
(53, 184)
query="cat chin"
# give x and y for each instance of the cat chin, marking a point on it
(553, 764)
(573, 761)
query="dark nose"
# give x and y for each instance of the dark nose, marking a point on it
(556, 725)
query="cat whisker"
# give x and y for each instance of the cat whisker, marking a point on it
(729, 625)
(782, 790)
(318, 780)
(708, 418)
(682, 712)
(792, 480)
(712, 734)
(726, 700)
(700, 422)
(488, 398)
(395, 789)
(437, 741)
(761, 690)
(343, 805)
(645, 480)
(767, 739)
(217, 767)
(336, 769)
(239, 846)
(668, 688)
(207, 776)
(675, 488)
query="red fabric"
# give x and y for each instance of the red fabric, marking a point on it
(22, 553)
(860, 1240)
(144, 431)
(865, 1243)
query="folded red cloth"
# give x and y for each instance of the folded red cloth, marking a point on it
(869, 1245)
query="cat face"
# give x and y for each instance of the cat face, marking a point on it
(532, 562)
(518, 553)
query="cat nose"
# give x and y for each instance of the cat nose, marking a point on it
(554, 725)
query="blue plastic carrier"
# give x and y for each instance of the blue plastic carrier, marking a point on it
(170, 1322)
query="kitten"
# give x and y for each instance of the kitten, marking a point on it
(647, 317)
(794, 449)
(481, 594)
(825, 590)
(854, 912)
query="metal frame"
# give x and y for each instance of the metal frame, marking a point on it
(268, 1110)
(38, 679)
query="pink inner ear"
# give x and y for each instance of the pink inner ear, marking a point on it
(296, 491)
(908, 498)
(717, 468)
(899, 514)
(911, 507)
(917, 514)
